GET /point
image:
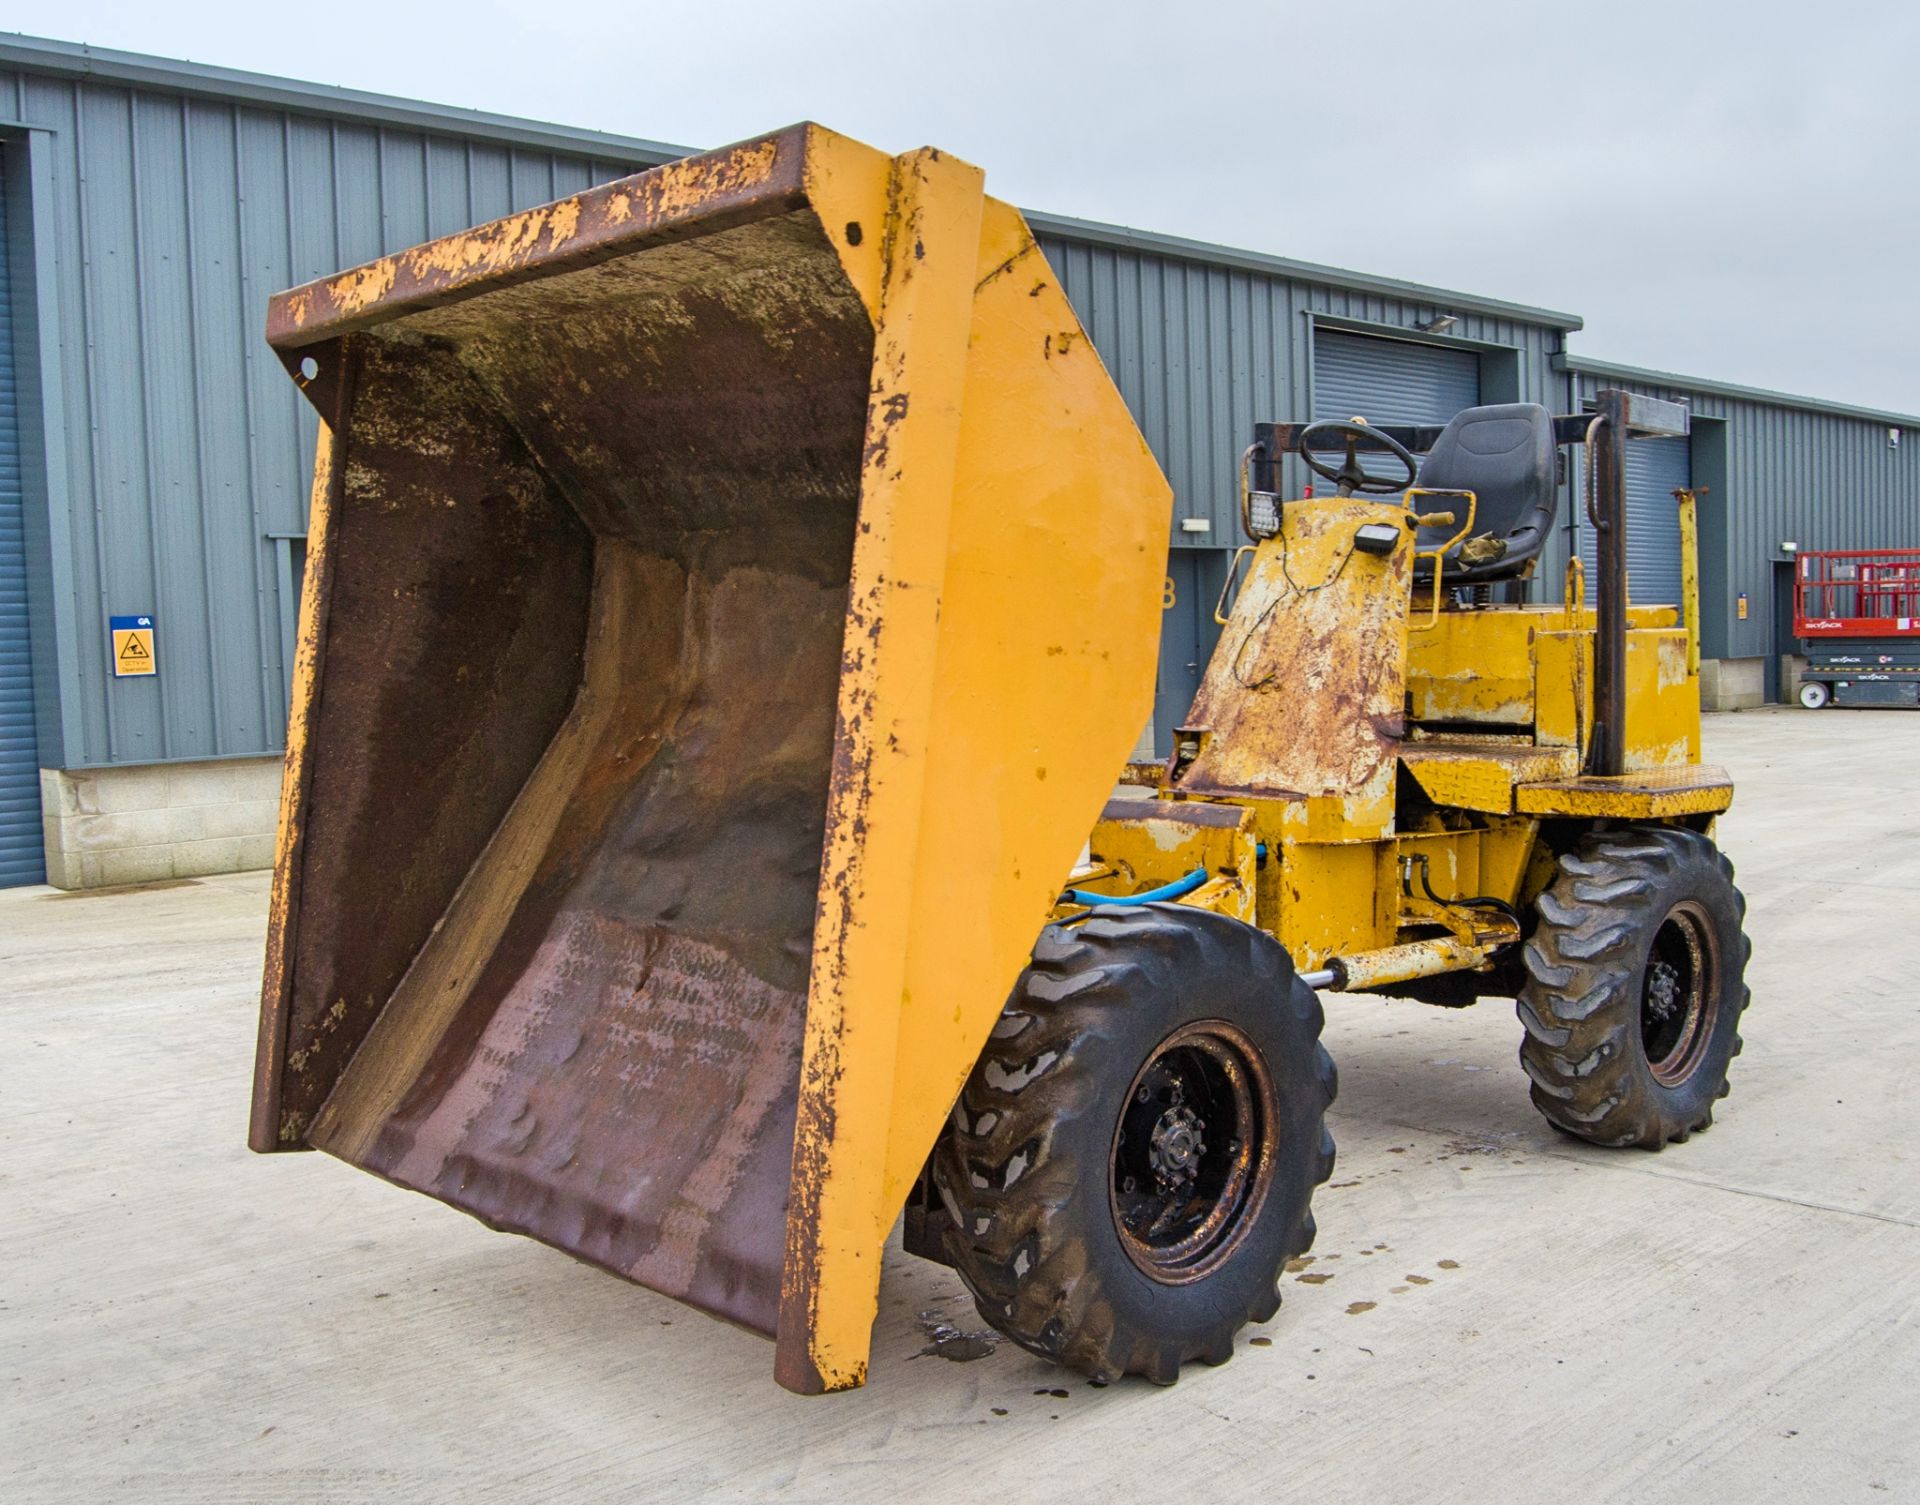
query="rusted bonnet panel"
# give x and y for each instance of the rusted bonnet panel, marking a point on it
(1305, 694)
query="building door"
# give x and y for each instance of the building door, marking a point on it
(1785, 645)
(22, 855)
(1187, 635)
(1390, 381)
(1655, 469)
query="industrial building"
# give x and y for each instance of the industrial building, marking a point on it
(154, 456)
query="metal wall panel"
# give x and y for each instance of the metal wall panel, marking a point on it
(1818, 477)
(21, 859)
(176, 216)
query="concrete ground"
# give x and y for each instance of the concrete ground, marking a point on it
(1494, 1313)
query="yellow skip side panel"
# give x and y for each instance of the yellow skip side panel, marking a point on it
(1003, 625)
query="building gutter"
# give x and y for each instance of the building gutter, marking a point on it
(1580, 365)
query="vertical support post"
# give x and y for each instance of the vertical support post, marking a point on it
(1608, 752)
(1690, 574)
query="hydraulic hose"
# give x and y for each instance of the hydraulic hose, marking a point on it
(1179, 888)
(1166, 893)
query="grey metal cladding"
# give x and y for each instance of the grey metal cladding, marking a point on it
(177, 214)
(20, 833)
(1780, 469)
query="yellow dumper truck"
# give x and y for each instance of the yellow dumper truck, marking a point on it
(732, 596)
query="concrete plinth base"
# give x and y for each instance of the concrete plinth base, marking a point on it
(1733, 684)
(109, 826)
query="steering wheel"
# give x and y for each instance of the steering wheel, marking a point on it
(1352, 476)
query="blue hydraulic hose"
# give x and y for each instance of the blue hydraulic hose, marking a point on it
(1174, 890)
(1178, 889)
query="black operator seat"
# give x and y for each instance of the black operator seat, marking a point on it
(1504, 454)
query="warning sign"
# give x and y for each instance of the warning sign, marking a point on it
(132, 646)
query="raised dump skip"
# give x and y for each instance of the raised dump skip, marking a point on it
(732, 592)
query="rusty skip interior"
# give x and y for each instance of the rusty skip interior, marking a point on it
(570, 741)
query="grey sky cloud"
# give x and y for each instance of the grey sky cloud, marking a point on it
(1722, 189)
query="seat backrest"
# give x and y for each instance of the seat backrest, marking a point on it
(1504, 454)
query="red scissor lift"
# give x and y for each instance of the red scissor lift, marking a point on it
(1857, 615)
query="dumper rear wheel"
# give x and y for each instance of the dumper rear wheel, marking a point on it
(1131, 1163)
(1635, 987)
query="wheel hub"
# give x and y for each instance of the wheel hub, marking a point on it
(1679, 995)
(1192, 1151)
(1663, 990)
(1177, 1147)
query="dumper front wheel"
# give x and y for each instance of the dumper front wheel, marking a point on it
(1131, 1163)
(1635, 987)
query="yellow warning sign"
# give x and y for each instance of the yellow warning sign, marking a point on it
(132, 646)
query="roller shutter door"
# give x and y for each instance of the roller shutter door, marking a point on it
(1655, 468)
(21, 855)
(1390, 381)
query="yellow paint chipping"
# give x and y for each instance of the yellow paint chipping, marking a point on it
(353, 291)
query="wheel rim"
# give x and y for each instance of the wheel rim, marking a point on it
(1193, 1152)
(1679, 998)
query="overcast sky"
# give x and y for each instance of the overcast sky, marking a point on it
(1723, 189)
